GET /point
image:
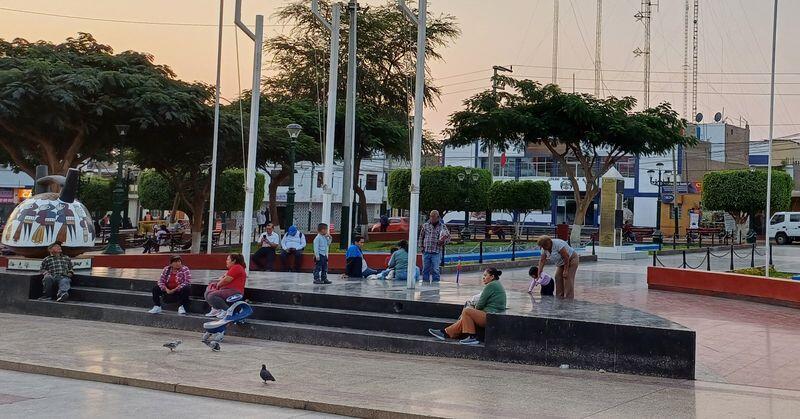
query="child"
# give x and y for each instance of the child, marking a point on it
(547, 283)
(321, 244)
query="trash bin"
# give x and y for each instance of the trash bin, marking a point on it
(751, 236)
(658, 237)
(562, 231)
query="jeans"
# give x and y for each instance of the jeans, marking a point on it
(295, 254)
(264, 258)
(216, 298)
(50, 282)
(403, 275)
(430, 266)
(182, 296)
(321, 269)
(369, 271)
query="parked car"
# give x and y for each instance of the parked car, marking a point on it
(784, 227)
(395, 224)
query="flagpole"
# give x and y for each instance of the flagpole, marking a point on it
(771, 127)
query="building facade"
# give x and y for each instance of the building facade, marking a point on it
(14, 188)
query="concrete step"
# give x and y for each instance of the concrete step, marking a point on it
(263, 329)
(330, 317)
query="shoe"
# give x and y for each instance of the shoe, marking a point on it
(438, 334)
(374, 277)
(213, 313)
(155, 310)
(327, 282)
(181, 310)
(45, 298)
(318, 282)
(63, 297)
(222, 314)
(469, 341)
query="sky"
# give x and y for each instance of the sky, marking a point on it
(733, 47)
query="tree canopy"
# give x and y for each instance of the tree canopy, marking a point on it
(230, 190)
(441, 189)
(743, 193)
(95, 192)
(575, 127)
(519, 196)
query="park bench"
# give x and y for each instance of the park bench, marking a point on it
(642, 232)
(713, 233)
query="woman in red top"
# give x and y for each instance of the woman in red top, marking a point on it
(229, 284)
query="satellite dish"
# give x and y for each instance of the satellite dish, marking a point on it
(718, 117)
(698, 117)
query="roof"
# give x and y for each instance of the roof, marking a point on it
(9, 179)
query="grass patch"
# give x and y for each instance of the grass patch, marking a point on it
(759, 271)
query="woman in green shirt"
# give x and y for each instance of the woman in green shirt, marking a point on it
(492, 300)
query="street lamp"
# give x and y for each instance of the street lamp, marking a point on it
(113, 247)
(467, 178)
(660, 182)
(294, 132)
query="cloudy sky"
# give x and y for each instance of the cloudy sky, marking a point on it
(734, 47)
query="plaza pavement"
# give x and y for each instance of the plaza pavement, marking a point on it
(747, 363)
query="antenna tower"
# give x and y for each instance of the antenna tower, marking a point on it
(694, 55)
(555, 42)
(644, 15)
(598, 77)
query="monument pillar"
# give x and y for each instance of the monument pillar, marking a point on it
(612, 188)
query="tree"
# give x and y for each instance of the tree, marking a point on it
(743, 193)
(230, 190)
(576, 128)
(155, 191)
(440, 189)
(95, 192)
(520, 197)
(59, 103)
(386, 45)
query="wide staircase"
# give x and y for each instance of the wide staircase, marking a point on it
(308, 318)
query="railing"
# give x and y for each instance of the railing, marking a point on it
(730, 254)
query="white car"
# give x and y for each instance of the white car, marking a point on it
(784, 227)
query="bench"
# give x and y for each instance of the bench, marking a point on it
(175, 241)
(700, 232)
(642, 232)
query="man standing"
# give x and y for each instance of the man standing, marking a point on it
(56, 273)
(261, 220)
(433, 235)
(264, 258)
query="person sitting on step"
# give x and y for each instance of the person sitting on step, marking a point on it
(355, 265)
(174, 284)
(231, 283)
(492, 300)
(56, 274)
(292, 245)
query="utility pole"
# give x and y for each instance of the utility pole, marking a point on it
(416, 149)
(333, 28)
(211, 219)
(686, 60)
(346, 231)
(695, 33)
(555, 42)
(250, 180)
(768, 214)
(598, 76)
(645, 15)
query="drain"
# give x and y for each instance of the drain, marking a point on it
(398, 307)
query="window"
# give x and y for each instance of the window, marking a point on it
(777, 219)
(672, 211)
(372, 182)
(319, 180)
(794, 218)
(626, 166)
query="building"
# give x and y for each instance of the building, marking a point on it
(785, 155)
(14, 188)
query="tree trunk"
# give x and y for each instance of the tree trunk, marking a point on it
(742, 225)
(581, 207)
(362, 212)
(174, 209)
(197, 223)
(274, 181)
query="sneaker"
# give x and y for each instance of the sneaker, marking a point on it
(469, 341)
(213, 313)
(63, 297)
(155, 310)
(45, 298)
(438, 334)
(181, 310)
(318, 282)
(222, 314)
(374, 277)
(327, 282)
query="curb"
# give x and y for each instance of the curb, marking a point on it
(310, 405)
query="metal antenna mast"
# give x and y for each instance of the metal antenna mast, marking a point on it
(555, 42)
(686, 60)
(694, 55)
(598, 76)
(644, 15)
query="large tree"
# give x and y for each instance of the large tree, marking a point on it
(59, 102)
(575, 127)
(441, 189)
(386, 45)
(520, 197)
(743, 193)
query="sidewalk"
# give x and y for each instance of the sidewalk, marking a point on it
(359, 383)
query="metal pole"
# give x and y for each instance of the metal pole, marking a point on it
(330, 118)
(216, 134)
(684, 258)
(732, 257)
(480, 252)
(708, 258)
(771, 127)
(346, 231)
(258, 38)
(290, 194)
(416, 150)
(113, 247)
(753, 256)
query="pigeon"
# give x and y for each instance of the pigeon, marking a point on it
(214, 345)
(265, 375)
(172, 345)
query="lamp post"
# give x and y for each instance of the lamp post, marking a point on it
(467, 178)
(660, 182)
(294, 132)
(113, 247)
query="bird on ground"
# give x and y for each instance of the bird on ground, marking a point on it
(265, 375)
(172, 345)
(214, 345)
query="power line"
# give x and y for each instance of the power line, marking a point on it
(662, 71)
(136, 22)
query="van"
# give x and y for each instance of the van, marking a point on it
(784, 227)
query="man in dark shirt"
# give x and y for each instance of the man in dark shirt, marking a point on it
(56, 273)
